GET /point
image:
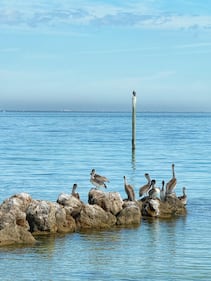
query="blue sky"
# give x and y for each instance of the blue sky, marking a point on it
(91, 55)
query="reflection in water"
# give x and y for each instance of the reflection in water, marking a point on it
(163, 234)
(45, 245)
(117, 254)
(133, 171)
(133, 159)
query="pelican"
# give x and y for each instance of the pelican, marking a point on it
(162, 192)
(170, 186)
(73, 193)
(129, 190)
(183, 198)
(154, 191)
(98, 180)
(145, 188)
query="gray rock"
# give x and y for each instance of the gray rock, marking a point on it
(21, 216)
(14, 227)
(13, 234)
(45, 216)
(94, 217)
(72, 204)
(20, 201)
(108, 201)
(171, 207)
(151, 207)
(65, 222)
(130, 214)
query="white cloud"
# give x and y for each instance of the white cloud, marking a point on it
(146, 15)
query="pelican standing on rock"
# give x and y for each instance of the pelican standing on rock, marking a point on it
(73, 193)
(183, 198)
(129, 190)
(163, 192)
(154, 191)
(170, 186)
(98, 180)
(145, 188)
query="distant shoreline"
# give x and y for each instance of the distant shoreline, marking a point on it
(96, 111)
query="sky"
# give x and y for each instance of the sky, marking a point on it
(92, 54)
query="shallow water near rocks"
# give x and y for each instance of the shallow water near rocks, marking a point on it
(44, 153)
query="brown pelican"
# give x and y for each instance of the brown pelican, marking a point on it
(154, 191)
(73, 193)
(129, 190)
(98, 180)
(145, 188)
(162, 192)
(183, 198)
(170, 186)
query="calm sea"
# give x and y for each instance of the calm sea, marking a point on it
(44, 153)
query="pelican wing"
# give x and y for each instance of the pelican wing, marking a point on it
(171, 185)
(144, 189)
(101, 178)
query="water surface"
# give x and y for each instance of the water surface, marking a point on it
(44, 153)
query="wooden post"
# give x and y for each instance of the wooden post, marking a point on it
(134, 121)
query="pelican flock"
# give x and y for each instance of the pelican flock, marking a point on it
(149, 189)
(153, 192)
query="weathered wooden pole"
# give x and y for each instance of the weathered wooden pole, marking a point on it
(134, 121)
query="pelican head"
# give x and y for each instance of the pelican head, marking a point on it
(153, 182)
(92, 172)
(75, 186)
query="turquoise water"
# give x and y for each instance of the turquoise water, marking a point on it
(44, 153)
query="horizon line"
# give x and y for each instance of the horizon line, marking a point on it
(99, 111)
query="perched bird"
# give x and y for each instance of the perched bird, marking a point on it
(98, 180)
(73, 193)
(154, 192)
(145, 188)
(163, 192)
(170, 186)
(129, 190)
(183, 198)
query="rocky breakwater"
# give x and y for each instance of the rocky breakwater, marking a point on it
(22, 218)
(14, 227)
(170, 207)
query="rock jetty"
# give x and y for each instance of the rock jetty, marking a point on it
(22, 218)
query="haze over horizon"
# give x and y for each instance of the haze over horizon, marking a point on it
(91, 55)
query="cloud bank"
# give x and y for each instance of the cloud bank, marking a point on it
(63, 13)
